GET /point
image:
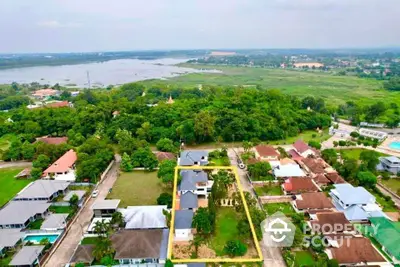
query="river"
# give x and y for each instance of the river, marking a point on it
(101, 74)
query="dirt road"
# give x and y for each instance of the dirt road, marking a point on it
(15, 164)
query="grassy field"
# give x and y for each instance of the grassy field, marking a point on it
(273, 190)
(306, 136)
(61, 209)
(9, 186)
(338, 89)
(137, 188)
(303, 258)
(225, 229)
(285, 208)
(354, 153)
(5, 141)
(393, 184)
(386, 205)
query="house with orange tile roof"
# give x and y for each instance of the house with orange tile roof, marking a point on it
(62, 169)
(44, 93)
(266, 152)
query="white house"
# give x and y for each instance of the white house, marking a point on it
(63, 168)
(266, 153)
(303, 149)
(373, 134)
(195, 181)
(390, 164)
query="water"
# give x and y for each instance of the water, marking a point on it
(37, 238)
(113, 72)
(395, 145)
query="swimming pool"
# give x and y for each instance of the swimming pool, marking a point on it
(37, 238)
(395, 145)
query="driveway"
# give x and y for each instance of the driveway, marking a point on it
(65, 250)
(272, 256)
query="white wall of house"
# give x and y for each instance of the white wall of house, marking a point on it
(183, 234)
(267, 158)
(62, 176)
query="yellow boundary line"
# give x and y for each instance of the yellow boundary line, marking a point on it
(171, 233)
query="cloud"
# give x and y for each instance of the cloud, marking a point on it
(57, 24)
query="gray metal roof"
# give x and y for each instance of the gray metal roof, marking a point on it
(164, 244)
(189, 157)
(18, 212)
(393, 159)
(190, 178)
(27, 255)
(351, 195)
(42, 189)
(10, 237)
(106, 204)
(79, 193)
(183, 219)
(188, 201)
(55, 221)
(144, 217)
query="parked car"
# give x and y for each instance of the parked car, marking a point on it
(95, 193)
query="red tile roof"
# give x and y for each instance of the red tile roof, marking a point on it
(321, 179)
(295, 156)
(326, 222)
(314, 165)
(58, 104)
(63, 164)
(300, 146)
(52, 140)
(299, 185)
(335, 178)
(315, 200)
(266, 151)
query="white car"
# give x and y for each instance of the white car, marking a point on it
(95, 193)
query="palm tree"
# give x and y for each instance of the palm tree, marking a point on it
(102, 228)
(117, 220)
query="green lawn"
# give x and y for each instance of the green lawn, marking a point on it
(137, 188)
(89, 241)
(386, 206)
(6, 260)
(285, 208)
(266, 190)
(219, 161)
(9, 186)
(225, 229)
(303, 259)
(392, 183)
(334, 89)
(61, 209)
(35, 225)
(5, 141)
(306, 136)
(354, 153)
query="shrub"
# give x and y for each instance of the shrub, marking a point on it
(354, 134)
(342, 143)
(165, 199)
(235, 248)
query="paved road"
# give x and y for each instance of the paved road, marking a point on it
(64, 252)
(16, 164)
(272, 256)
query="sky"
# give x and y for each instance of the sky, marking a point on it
(103, 25)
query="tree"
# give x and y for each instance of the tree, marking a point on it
(27, 151)
(168, 263)
(126, 164)
(46, 243)
(259, 169)
(36, 173)
(235, 248)
(166, 145)
(117, 219)
(202, 221)
(370, 159)
(166, 171)
(314, 144)
(103, 248)
(367, 179)
(354, 134)
(80, 264)
(73, 201)
(247, 146)
(196, 243)
(333, 263)
(107, 260)
(41, 162)
(204, 125)
(144, 157)
(243, 228)
(165, 199)
(330, 156)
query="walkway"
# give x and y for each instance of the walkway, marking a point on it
(65, 250)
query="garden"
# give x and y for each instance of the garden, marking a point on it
(219, 157)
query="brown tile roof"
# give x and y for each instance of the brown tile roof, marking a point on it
(294, 155)
(316, 200)
(83, 253)
(165, 155)
(52, 140)
(314, 165)
(300, 146)
(321, 179)
(266, 151)
(299, 185)
(24, 173)
(357, 250)
(327, 221)
(63, 164)
(335, 178)
(58, 104)
(137, 244)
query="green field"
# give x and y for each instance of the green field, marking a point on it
(354, 153)
(5, 142)
(306, 136)
(9, 186)
(137, 188)
(303, 259)
(61, 209)
(225, 229)
(393, 184)
(338, 89)
(266, 190)
(285, 208)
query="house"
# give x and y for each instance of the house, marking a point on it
(165, 156)
(314, 166)
(27, 256)
(193, 157)
(105, 208)
(288, 170)
(189, 201)
(389, 164)
(294, 155)
(321, 180)
(331, 223)
(24, 174)
(303, 149)
(170, 100)
(308, 65)
(295, 185)
(387, 235)
(19, 214)
(83, 254)
(140, 246)
(144, 217)
(357, 251)
(63, 168)
(265, 152)
(9, 238)
(335, 178)
(183, 225)
(45, 93)
(55, 222)
(52, 140)
(42, 190)
(356, 202)
(312, 201)
(373, 134)
(195, 181)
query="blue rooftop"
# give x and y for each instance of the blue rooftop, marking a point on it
(351, 195)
